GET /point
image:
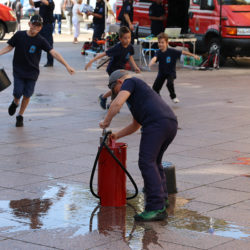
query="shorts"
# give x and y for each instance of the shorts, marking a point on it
(23, 87)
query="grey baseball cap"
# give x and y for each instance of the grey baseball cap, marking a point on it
(115, 76)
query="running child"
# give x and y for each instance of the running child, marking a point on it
(119, 55)
(28, 47)
(167, 58)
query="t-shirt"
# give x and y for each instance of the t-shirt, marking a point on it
(167, 61)
(156, 10)
(99, 9)
(75, 14)
(127, 8)
(58, 7)
(119, 56)
(144, 103)
(46, 11)
(27, 54)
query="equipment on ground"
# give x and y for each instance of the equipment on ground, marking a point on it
(111, 159)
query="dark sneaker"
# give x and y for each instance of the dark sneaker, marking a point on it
(19, 121)
(154, 215)
(12, 108)
(102, 101)
(48, 65)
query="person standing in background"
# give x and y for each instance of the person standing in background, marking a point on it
(67, 8)
(18, 8)
(46, 8)
(98, 21)
(77, 16)
(157, 17)
(126, 16)
(57, 16)
(111, 16)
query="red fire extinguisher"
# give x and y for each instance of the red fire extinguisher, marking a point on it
(111, 178)
(111, 158)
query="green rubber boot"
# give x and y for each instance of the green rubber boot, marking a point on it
(154, 215)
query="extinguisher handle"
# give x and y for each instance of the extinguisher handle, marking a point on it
(111, 142)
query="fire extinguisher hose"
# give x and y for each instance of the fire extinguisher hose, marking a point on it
(103, 144)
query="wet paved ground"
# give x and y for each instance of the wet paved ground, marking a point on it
(45, 167)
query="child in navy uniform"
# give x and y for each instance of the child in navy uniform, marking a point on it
(120, 54)
(167, 58)
(28, 47)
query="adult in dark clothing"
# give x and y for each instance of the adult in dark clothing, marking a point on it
(126, 16)
(98, 21)
(159, 127)
(28, 47)
(46, 8)
(157, 17)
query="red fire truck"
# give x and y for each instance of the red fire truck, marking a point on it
(7, 20)
(215, 23)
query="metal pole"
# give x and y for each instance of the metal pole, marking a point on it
(105, 22)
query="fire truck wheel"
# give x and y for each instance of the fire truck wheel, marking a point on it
(2, 31)
(214, 44)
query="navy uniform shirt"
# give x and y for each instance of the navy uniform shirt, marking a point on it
(156, 10)
(46, 11)
(167, 61)
(27, 54)
(99, 9)
(119, 56)
(127, 8)
(144, 103)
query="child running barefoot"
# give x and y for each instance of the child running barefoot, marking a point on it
(167, 58)
(120, 54)
(28, 47)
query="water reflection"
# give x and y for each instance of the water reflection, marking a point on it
(73, 207)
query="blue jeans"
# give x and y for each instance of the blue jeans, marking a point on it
(58, 18)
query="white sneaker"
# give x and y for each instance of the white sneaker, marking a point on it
(176, 100)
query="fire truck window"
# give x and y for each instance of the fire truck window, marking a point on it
(145, 1)
(196, 1)
(210, 3)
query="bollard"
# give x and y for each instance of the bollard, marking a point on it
(169, 170)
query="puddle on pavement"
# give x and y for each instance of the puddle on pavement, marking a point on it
(46, 98)
(73, 207)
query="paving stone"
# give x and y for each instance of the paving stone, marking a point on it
(19, 245)
(237, 215)
(216, 196)
(236, 183)
(235, 244)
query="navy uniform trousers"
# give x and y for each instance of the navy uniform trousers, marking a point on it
(159, 81)
(47, 33)
(155, 140)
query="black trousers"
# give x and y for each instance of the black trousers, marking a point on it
(47, 33)
(97, 35)
(159, 81)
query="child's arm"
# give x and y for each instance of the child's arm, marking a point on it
(136, 68)
(6, 49)
(190, 54)
(60, 59)
(100, 55)
(153, 60)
